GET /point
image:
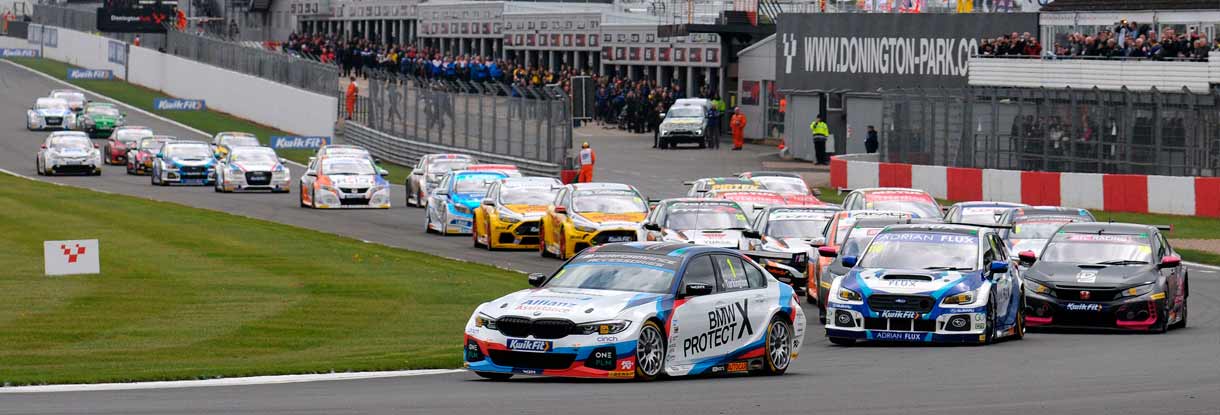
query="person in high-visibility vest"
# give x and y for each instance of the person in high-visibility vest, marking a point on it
(738, 124)
(352, 90)
(821, 132)
(587, 159)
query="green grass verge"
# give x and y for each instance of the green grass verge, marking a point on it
(208, 121)
(217, 295)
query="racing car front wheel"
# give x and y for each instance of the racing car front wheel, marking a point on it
(649, 352)
(989, 332)
(779, 346)
(1182, 322)
(494, 375)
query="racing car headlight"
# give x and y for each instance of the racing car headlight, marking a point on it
(326, 188)
(583, 225)
(460, 208)
(483, 320)
(849, 295)
(88, 121)
(604, 327)
(965, 298)
(508, 216)
(1037, 288)
(699, 132)
(234, 169)
(664, 131)
(1137, 291)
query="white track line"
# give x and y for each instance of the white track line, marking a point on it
(121, 103)
(247, 381)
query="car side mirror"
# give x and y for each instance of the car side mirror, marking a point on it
(998, 267)
(43, 146)
(815, 192)
(94, 145)
(311, 174)
(1027, 258)
(283, 161)
(828, 252)
(442, 192)
(376, 160)
(848, 261)
(752, 234)
(160, 155)
(662, 115)
(695, 289)
(561, 210)
(652, 227)
(1170, 261)
(489, 202)
(383, 172)
(416, 172)
(536, 279)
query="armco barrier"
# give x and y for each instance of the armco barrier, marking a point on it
(407, 152)
(266, 102)
(1198, 196)
(78, 48)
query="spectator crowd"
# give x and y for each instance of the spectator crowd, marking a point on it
(1126, 40)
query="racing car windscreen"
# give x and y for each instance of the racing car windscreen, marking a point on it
(51, 104)
(348, 166)
(980, 215)
(922, 250)
(77, 142)
(685, 112)
(106, 111)
(1104, 249)
(239, 140)
(71, 97)
(796, 228)
(474, 183)
(688, 216)
(857, 239)
(255, 157)
(618, 271)
(608, 201)
(1036, 228)
(131, 135)
(920, 209)
(785, 185)
(151, 144)
(190, 152)
(442, 166)
(533, 196)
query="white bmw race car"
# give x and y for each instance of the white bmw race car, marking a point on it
(50, 113)
(68, 152)
(639, 310)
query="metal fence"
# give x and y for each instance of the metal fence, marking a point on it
(529, 127)
(1170, 133)
(302, 73)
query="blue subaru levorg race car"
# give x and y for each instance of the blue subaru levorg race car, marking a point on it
(928, 283)
(638, 310)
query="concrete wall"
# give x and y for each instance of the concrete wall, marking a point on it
(756, 63)
(256, 99)
(79, 49)
(862, 111)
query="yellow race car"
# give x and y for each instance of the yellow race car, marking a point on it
(510, 214)
(587, 214)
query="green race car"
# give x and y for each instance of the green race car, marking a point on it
(100, 119)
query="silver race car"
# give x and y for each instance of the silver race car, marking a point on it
(251, 168)
(428, 173)
(50, 113)
(68, 152)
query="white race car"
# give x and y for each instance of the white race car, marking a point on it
(639, 310)
(342, 182)
(67, 152)
(712, 222)
(76, 99)
(48, 113)
(251, 168)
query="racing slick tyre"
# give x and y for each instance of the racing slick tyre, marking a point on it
(778, 346)
(129, 169)
(650, 352)
(1018, 333)
(1181, 324)
(989, 332)
(38, 168)
(842, 341)
(428, 222)
(216, 187)
(542, 242)
(563, 244)
(474, 232)
(301, 199)
(1162, 321)
(494, 375)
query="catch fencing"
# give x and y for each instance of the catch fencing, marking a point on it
(529, 127)
(301, 73)
(82, 20)
(1167, 133)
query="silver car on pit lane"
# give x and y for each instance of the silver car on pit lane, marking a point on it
(66, 152)
(48, 113)
(428, 173)
(245, 168)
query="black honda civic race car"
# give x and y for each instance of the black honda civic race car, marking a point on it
(1108, 276)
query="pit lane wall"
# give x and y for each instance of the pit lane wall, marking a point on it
(1195, 196)
(259, 100)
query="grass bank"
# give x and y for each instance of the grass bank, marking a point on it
(208, 121)
(188, 293)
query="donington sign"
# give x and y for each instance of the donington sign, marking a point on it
(868, 51)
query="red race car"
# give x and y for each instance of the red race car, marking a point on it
(123, 139)
(140, 158)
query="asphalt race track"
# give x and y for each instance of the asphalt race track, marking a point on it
(1047, 373)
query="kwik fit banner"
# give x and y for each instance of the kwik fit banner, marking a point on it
(870, 51)
(178, 104)
(91, 74)
(295, 142)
